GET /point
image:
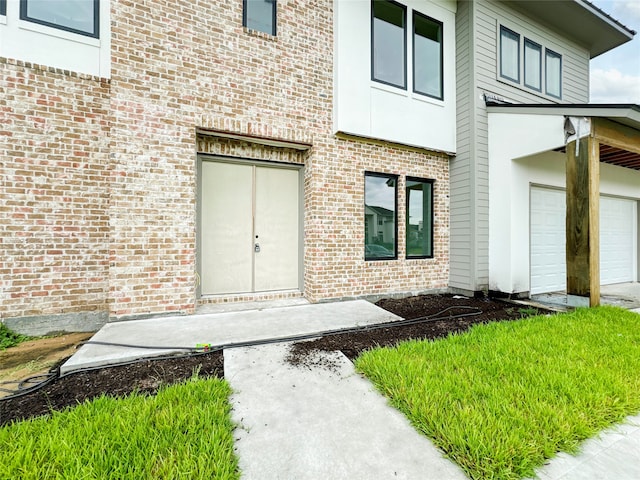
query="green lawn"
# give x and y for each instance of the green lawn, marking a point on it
(183, 432)
(502, 398)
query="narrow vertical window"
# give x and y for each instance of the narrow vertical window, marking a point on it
(389, 43)
(553, 69)
(3, 7)
(427, 56)
(380, 219)
(532, 65)
(419, 196)
(260, 15)
(77, 16)
(509, 54)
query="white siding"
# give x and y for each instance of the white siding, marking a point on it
(372, 109)
(44, 45)
(470, 169)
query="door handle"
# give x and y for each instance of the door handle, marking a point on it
(256, 248)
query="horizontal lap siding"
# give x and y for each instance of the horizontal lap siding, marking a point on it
(488, 15)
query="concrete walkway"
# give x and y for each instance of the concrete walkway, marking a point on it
(322, 420)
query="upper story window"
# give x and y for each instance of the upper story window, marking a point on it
(532, 65)
(389, 45)
(260, 15)
(509, 54)
(3, 7)
(553, 67)
(77, 16)
(427, 56)
(532, 69)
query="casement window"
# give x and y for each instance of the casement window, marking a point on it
(427, 56)
(380, 216)
(553, 69)
(509, 54)
(3, 7)
(76, 16)
(389, 43)
(260, 15)
(532, 65)
(419, 234)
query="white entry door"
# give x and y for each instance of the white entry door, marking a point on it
(249, 228)
(618, 240)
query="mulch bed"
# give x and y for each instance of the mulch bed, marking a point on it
(148, 375)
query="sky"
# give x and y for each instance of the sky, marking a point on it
(615, 75)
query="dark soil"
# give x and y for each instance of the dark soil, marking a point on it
(444, 312)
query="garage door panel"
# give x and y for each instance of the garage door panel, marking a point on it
(618, 240)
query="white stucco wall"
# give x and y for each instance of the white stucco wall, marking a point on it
(44, 45)
(372, 109)
(520, 155)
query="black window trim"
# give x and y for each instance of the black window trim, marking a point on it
(368, 173)
(524, 80)
(548, 51)
(431, 230)
(96, 20)
(373, 77)
(274, 17)
(3, 8)
(505, 29)
(415, 13)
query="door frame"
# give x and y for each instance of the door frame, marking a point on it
(201, 157)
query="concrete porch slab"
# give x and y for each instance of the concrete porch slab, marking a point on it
(130, 340)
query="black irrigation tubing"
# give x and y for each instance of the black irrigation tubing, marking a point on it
(195, 351)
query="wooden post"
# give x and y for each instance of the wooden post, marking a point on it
(583, 219)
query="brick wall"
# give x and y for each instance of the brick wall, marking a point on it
(54, 196)
(179, 68)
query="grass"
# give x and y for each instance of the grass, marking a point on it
(9, 338)
(183, 432)
(502, 398)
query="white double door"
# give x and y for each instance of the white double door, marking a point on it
(249, 228)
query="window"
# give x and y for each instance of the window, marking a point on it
(77, 16)
(3, 7)
(419, 195)
(380, 197)
(427, 56)
(532, 65)
(260, 15)
(509, 54)
(389, 43)
(553, 68)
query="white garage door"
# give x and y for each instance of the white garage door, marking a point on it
(618, 237)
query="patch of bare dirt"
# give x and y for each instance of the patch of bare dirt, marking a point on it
(447, 314)
(36, 357)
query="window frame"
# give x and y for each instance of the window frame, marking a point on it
(547, 53)
(388, 176)
(96, 21)
(424, 181)
(503, 75)
(274, 17)
(531, 43)
(404, 53)
(415, 14)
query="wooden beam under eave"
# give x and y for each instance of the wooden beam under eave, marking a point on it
(616, 135)
(583, 219)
